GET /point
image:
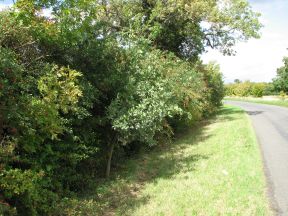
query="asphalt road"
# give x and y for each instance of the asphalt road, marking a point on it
(271, 127)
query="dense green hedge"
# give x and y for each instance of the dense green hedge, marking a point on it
(97, 80)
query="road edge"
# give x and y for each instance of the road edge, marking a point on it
(269, 186)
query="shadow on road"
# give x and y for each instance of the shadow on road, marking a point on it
(254, 112)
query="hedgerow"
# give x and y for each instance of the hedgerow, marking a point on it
(95, 79)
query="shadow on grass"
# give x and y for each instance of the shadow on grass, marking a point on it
(122, 193)
(229, 113)
(226, 110)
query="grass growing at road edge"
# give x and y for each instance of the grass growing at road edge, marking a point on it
(283, 103)
(215, 169)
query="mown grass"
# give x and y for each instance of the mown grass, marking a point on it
(214, 169)
(283, 103)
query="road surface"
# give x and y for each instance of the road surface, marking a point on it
(271, 127)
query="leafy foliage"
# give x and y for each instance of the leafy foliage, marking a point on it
(247, 88)
(97, 78)
(280, 83)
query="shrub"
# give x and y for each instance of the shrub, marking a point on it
(247, 88)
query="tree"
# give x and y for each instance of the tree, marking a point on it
(97, 76)
(248, 88)
(281, 81)
(183, 27)
(237, 81)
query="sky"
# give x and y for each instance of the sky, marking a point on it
(5, 3)
(258, 59)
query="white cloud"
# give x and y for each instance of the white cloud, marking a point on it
(4, 6)
(257, 60)
(47, 12)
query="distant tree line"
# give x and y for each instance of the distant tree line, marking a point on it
(97, 80)
(278, 86)
(247, 88)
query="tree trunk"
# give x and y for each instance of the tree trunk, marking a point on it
(110, 153)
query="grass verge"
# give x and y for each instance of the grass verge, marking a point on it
(215, 169)
(283, 103)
